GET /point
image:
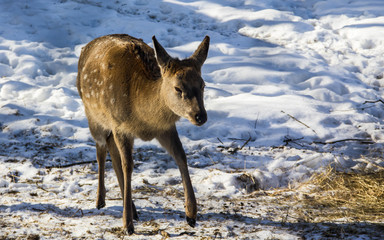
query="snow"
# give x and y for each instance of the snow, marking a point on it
(287, 84)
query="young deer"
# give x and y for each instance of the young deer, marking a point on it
(130, 90)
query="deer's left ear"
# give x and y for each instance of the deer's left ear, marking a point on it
(162, 57)
(201, 52)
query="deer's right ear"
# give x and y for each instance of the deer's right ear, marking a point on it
(161, 55)
(202, 51)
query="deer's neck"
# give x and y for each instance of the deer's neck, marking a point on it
(152, 107)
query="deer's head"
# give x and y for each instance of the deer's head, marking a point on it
(182, 84)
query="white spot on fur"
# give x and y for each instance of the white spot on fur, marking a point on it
(85, 76)
(113, 101)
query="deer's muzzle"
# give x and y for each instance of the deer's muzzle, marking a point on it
(200, 118)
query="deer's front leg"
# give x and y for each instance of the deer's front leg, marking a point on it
(124, 145)
(116, 163)
(171, 142)
(101, 153)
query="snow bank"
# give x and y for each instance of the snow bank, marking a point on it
(283, 80)
(292, 87)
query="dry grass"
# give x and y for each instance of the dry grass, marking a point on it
(356, 196)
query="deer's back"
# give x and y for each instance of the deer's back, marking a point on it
(118, 81)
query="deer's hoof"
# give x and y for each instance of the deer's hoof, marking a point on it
(100, 205)
(191, 222)
(135, 216)
(129, 230)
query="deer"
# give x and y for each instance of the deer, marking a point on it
(130, 90)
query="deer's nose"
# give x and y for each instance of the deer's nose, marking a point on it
(201, 118)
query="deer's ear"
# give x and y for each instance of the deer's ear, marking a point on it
(161, 55)
(201, 52)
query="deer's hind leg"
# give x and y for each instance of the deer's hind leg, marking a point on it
(124, 144)
(101, 153)
(100, 135)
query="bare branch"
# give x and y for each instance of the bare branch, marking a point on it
(297, 120)
(380, 100)
(363, 141)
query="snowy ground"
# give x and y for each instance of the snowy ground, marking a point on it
(292, 87)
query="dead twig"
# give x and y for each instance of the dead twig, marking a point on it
(246, 142)
(363, 141)
(78, 210)
(380, 100)
(373, 163)
(45, 190)
(74, 164)
(297, 120)
(287, 140)
(234, 150)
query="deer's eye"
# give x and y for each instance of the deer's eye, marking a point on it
(179, 91)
